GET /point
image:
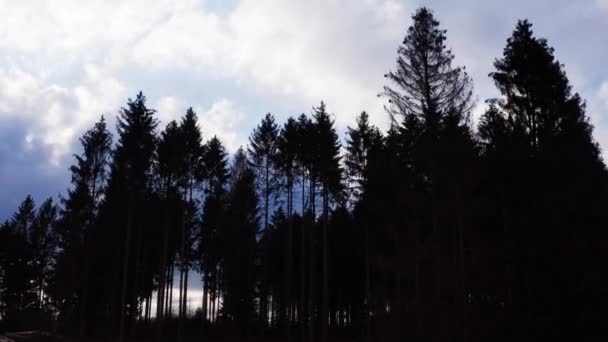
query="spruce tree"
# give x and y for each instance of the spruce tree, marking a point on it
(240, 233)
(540, 132)
(212, 222)
(128, 187)
(263, 149)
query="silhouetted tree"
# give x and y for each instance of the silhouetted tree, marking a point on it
(170, 158)
(541, 127)
(240, 232)
(212, 223)
(263, 149)
(287, 144)
(327, 159)
(192, 170)
(129, 185)
(19, 295)
(77, 216)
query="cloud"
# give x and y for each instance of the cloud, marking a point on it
(222, 119)
(55, 113)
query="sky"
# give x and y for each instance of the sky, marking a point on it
(64, 63)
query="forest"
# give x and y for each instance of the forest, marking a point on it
(442, 228)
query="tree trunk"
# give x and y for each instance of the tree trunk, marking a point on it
(288, 260)
(204, 303)
(324, 293)
(179, 304)
(185, 299)
(85, 288)
(311, 264)
(301, 315)
(125, 270)
(162, 284)
(170, 298)
(367, 303)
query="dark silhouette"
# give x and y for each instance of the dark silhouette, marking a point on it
(431, 231)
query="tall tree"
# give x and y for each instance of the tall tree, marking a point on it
(550, 138)
(212, 221)
(287, 144)
(169, 167)
(263, 150)
(192, 171)
(430, 100)
(360, 140)
(363, 143)
(16, 255)
(327, 159)
(128, 186)
(77, 215)
(240, 233)
(425, 82)
(42, 238)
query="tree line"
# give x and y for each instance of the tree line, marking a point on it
(434, 229)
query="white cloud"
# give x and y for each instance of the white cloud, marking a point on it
(222, 119)
(66, 62)
(55, 114)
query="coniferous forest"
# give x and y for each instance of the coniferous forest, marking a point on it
(442, 228)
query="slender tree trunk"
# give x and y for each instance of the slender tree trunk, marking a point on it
(215, 294)
(205, 296)
(287, 294)
(185, 299)
(179, 304)
(138, 275)
(311, 266)
(367, 305)
(162, 284)
(146, 309)
(204, 302)
(463, 294)
(125, 270)
(85, 288)
(170, 298)
(324, 293)
(264, 290)
(167, 290)
(301, 314)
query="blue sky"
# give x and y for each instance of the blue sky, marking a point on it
(63, 63)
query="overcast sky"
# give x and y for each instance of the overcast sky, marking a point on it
(63, 63)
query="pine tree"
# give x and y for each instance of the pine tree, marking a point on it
(359, 142)
(327, 159)
(240, 233)
(23, 219)
(430, 101)
(42, 237)
(77, 216)
(287, 145)
(170, 156)
(128, 187)
(364, 142)
(17, 283)
(212, 222)
(192, 173)
(427, 85)
(263, 149)
(540, 132)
